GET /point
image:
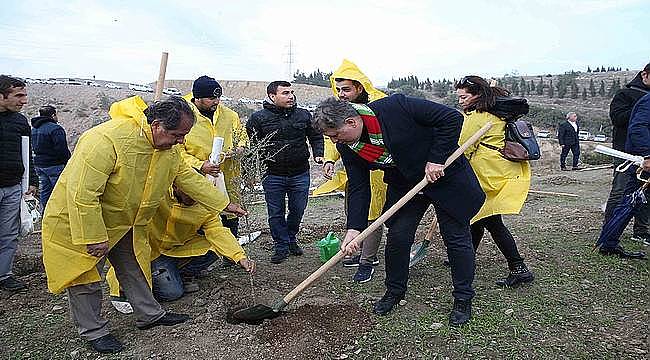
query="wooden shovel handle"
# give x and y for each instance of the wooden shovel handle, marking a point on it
(380, 220)
(432, 229)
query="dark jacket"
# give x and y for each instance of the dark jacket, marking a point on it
(12, 126)
(49, 142)
(567, 135)
(638, 133)
(415, 131)
(288, 149)
(621, 108)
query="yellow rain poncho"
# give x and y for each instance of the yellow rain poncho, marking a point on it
(348, 70)
(504, 182)
(173, 232)
(113, 183)
(198, 143)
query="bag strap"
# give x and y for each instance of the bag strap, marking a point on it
(490, 146)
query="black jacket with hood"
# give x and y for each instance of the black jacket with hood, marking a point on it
(49, 142)
(621, 108)
(288, 150)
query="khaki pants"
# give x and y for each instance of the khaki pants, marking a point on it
(86, 300)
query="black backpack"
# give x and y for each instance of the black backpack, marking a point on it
(520, 141)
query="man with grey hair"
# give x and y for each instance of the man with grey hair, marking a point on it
(409, 139)
(568, 137)
(102, 204)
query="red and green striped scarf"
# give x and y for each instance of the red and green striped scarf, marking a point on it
(376, 151)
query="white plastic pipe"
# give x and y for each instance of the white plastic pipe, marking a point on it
(25, 156)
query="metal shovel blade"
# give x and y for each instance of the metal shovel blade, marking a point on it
(253, 315)
(418, 252)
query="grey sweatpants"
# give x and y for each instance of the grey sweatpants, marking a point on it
(9, 227)
(86, 300)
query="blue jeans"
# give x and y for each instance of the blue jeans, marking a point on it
(167, 273)
(47, 178)
(296, 189)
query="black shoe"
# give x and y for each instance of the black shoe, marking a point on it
(364, 273)
(563, 168)
(168, 319)
(106, 344)
(386, 303)
(620, 252)
(518, 275)
(577, 168)
(12, 284)
(461, 313)
(295, 250)
(351, 261)
(279, 256)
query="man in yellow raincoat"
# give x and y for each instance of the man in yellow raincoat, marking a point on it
(215, 119)
(350, 84)
(102, 203)
(185, 239)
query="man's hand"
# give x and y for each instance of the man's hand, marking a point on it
(433, 171)
(348, 247)
(645, 165)
(328, 170)
(318, 159)
(209, 168)
(31, 190)
(97, 250)
(236, 209)
(248, 265)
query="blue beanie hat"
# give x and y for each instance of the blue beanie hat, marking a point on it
(205, 87)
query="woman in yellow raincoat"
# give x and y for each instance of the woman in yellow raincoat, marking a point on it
(504, 182)
(215, 119)
(350, 84)
(102, 203)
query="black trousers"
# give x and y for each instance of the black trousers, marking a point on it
(401, 234)
(575, 150)
(501, 236)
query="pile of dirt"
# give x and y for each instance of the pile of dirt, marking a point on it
(314, 331)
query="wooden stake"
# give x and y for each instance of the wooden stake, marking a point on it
(161, 77)
(551, 193)
(597, 167)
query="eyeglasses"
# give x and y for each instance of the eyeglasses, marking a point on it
(465, 81)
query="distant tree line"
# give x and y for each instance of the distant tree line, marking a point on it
(602, 69)
(564, 86)
(317, 78)
(439, 88)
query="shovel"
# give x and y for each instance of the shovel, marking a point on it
(419, 250)
(256, 314)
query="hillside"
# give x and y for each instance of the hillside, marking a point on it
(81, 106)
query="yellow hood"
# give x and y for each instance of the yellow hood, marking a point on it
(132, 109)
(348, 70)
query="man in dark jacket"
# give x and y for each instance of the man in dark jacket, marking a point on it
(619, 113)
(409, 139)
(568, 138)
(13, 126)
(286, 128)
(637, 143)
(51, 151)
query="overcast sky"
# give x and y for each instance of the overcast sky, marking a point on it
(249, 40)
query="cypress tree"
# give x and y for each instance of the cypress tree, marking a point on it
(551, 91)
(601, 91)
(592, 88)
(584, 93)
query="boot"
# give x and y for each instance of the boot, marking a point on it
(519, 274)
(461, 313)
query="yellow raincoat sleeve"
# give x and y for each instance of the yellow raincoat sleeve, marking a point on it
(199, 188)
(90, 168)
(222, 240)
(239, 132)
(191, 160)
(331, 154)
